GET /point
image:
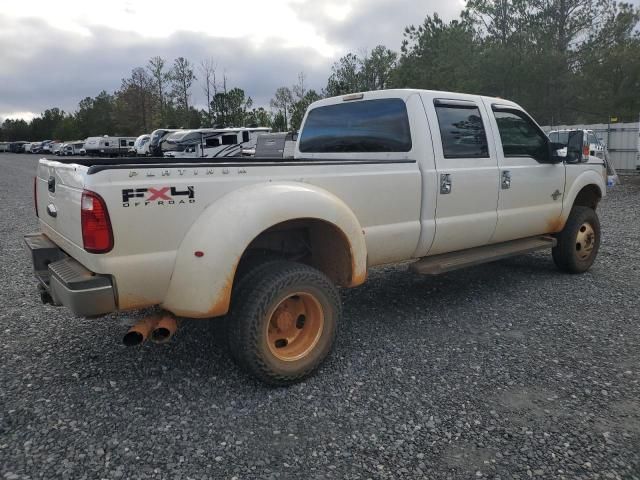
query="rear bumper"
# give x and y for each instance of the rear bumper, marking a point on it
(68, 283)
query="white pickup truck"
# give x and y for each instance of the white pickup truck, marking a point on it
(446, 180)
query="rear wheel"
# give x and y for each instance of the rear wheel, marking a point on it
(283, 322)
(578, 242)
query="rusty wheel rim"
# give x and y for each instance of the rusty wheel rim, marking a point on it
(294, 327)
(585, 241)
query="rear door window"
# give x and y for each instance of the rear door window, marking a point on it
(461, 130)
(365, 126)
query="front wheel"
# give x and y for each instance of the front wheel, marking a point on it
(283, 322)
(578, 242)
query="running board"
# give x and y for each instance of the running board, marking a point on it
(447, 262)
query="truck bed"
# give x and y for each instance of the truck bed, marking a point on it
(93, 161)
(98, 164)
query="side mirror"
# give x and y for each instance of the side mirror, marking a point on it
(575, 146)
(558, 152)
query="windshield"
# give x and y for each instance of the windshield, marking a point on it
(178, 136)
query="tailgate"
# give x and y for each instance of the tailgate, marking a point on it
(59, 192)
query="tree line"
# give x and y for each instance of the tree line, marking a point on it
(565, 61)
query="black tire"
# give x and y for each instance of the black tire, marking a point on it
(254, 307)
(252, 266)
(578, 242)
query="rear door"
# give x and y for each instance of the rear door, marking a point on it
(531, 188)
(467, 166)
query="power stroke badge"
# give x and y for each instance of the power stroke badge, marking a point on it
(143, 197)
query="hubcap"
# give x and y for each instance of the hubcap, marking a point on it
(585, 241)
(295, 326)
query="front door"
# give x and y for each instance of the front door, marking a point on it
(531, 188)
(467, 171)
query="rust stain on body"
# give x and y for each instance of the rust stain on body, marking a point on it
(128, 301)
(221, 305)
(555, 225)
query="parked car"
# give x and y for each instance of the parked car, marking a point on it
(442, 180)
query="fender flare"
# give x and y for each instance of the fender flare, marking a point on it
(200, 287)
(589, 177)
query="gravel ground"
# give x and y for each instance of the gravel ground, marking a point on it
(509, 370)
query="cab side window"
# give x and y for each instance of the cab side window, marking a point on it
(520, 137)
(461, 130)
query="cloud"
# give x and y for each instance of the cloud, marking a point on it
(67, 54)
(368, 23)
(42, 67)
(56, 53)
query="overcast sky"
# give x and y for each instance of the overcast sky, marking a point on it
(54, 53)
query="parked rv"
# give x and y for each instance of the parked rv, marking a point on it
(46, 146)
(73, 148)
(157, 137)
(140, 146)
(55, 147)
(107, 146)
(17, 147)
(211, 142)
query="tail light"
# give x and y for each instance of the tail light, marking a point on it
(35, 193)
(97, 235)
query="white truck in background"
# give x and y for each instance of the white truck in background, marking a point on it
(443, 179)
(591, 147)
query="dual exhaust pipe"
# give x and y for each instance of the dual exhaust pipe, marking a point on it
(157, 328)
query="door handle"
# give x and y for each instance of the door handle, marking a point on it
(445, 183)
(506, 179)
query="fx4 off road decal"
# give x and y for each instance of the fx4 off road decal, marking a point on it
(142, 197)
